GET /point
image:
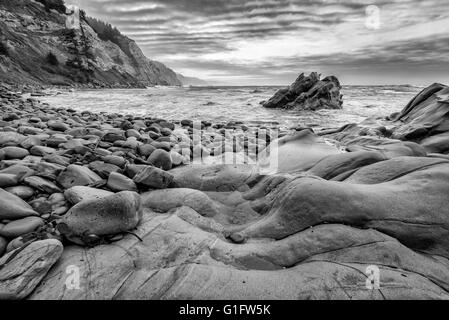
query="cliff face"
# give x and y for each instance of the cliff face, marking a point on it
(37, 48)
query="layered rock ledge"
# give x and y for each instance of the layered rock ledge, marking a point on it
(119, 200)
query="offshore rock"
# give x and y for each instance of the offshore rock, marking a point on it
(309, 93)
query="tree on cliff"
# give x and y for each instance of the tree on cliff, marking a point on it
(105, 31)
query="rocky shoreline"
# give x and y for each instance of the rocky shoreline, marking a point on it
(107, 206)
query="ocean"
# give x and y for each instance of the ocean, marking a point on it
(224, 104)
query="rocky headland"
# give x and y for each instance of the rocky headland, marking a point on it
(44, 43)
(121, 202)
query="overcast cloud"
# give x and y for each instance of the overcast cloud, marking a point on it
(270, 41)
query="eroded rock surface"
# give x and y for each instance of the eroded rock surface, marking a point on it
(21, 272)
(307, 221)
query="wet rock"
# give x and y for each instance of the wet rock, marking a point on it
(41, 205)
(8, 180)
(10, 139)
(161, 145)
(73, 144)
(42, 184)
(103, 169)
(131, 143)
(12, 207)
(14, 152)
(113, 137)
(57, 198)
(49, 170)
(118, 182)
(166, 132)
(153, 177)
(76, 175)
(133, 133)
(132, 169)
(20, 227)
(18, 170)
(31, 141)
(167, 125)
(153, 135)
(54, 158)
(58, 126)
(22, 273)
(23, 192)
(41, 151)
(187, 123)
(105, 216)
(160, 159)
(56, 140)
(146, 150)
(115, 160)
(79, 193)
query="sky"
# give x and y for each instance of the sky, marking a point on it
(270, 42)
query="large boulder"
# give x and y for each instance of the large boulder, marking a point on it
(110, 215)
(77, 194)
(309, 93)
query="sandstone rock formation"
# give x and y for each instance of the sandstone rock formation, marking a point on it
(308, 93)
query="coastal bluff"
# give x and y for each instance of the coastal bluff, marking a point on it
(121, 199)
(38, 47)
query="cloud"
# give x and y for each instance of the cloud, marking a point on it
(272, 41)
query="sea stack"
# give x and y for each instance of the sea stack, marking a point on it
(308, 93)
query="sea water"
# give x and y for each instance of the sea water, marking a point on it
(225, 104)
